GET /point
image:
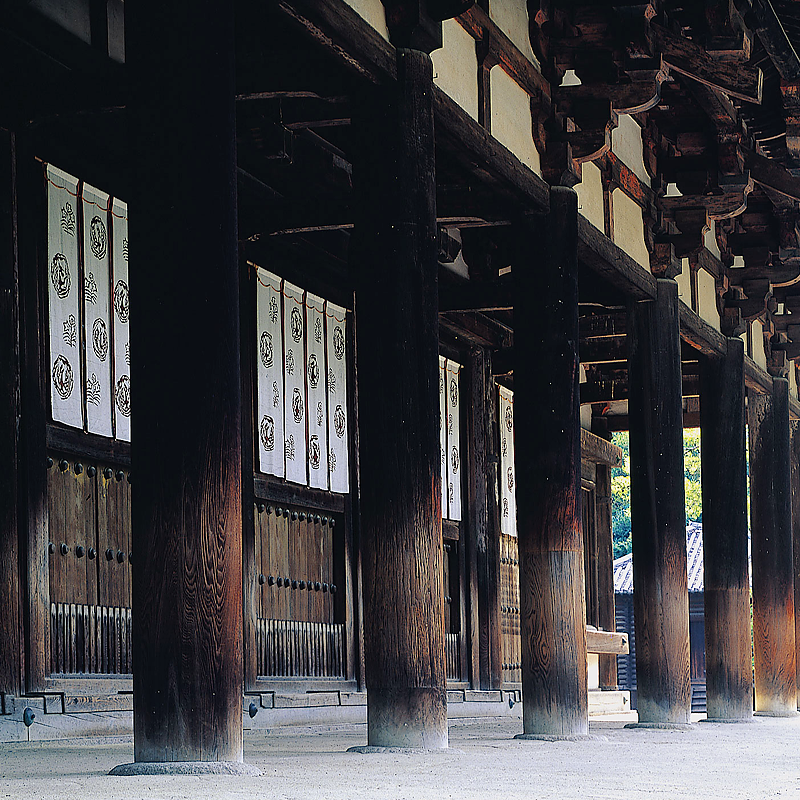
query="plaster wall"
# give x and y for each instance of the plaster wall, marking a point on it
(629, 227)
(455, 66)
(511, 118)
(759, 356)
(707, 298)
(372, 12)
(626, 144)
(684, 281)
(590, 195)
(511, 16)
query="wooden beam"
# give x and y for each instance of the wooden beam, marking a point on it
(729, 671)
(657, 510)
(606, 642)
(761, 19)
(187, 506)
(600, 451)
(773, 565)
(397, 342)
(772, 175)
(553, 613)
(690, 59)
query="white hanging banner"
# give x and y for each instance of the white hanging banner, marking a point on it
(508, 487)
(269, 346)
(63, 294)
(453, 390)
(295, 415)
(316, 382)
(97, 310)
(120, 304)
(338, 458)
(443, 430)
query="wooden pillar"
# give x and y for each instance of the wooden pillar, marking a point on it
(186, 448)
(394, 257)
(794, 454)
(658, 517)
(729, 670)
(10, 619)
(482, 530)
(773, 566)
(548, 467)
(605, 571)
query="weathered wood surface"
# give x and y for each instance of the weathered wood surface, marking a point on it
(547, 454)
(729, 672)
(772, 552)
(397, 340)
(794, 454)
(187, 506)
(11, 651)
(606, 641)
(599, 450)
(657, 509)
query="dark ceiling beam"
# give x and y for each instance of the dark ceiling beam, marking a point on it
(760, 17)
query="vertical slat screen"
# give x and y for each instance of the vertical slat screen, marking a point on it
(510, 609)
(443, 429)
(316, 385)
(294, 381)
(508, 501)
(63, 296)
(336, 342)
(453, 391)
(120, 302)
(269, 346)
(97, 310)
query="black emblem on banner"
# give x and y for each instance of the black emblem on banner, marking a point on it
(314, 453)
(122, 396)
(455, 460)
(121, 301)
(297, 405)
(510, 479)
(100, 339)
(63, 379)
(97, 238)
(453, 392)
(267, 431)
(338, 343)
(59, 275)
(93, 390)
(313, 371)
(509, 415)
(90, 288)
(339, 421)
(70, 331)
(265, 347)
(296, 324)
(68, 219)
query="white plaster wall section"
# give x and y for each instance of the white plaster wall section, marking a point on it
(511, 118)
(586, 410)
(458, 266)
(792, 380)
(626, 144)
(373, 13)
(684, 280)
(710, 239)
(759, 356)
(629, 227)
(707, 298)
(511, 16)
(455, 66)
(590, 195)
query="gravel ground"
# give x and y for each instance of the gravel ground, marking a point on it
(728, 762)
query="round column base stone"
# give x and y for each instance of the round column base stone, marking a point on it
(723, 721)
(662, 726)
(556, 737)
(779, 714)
(186, 768)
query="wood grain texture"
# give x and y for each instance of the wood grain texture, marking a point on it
(187, 506)
(11, 633)
(794, 454)
(397, 341)
(772, 552)
(729, 674)
(657, 508)
(547, 457)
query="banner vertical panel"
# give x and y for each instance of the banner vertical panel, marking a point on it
(443, 430)
(120, 303)
(295, 403)
(97, 310)
(454, 439)
(508, 493)
(269, 372)
(316, 383)
(336, 351)
(63, 298)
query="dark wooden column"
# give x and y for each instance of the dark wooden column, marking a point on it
(794, 454)
(605, 570)
(548, 467)
(186, 449)
(10, 601)
(483, 535)
(658, 517)
(773, 565)
(394, 258)
(729, 670)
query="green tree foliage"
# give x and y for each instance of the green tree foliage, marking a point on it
(621, 489)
